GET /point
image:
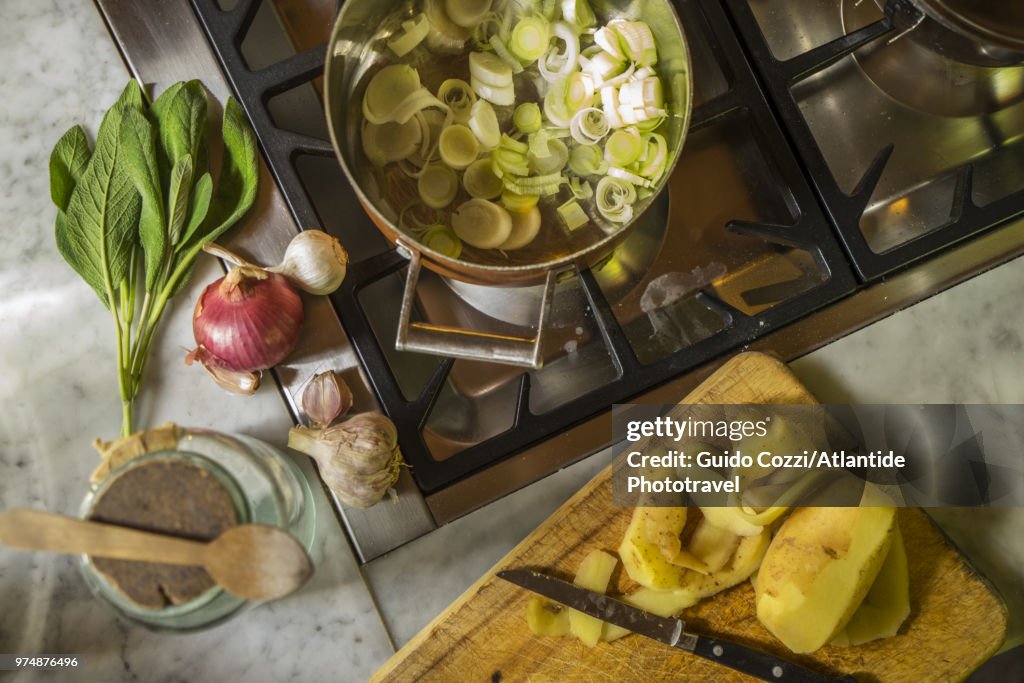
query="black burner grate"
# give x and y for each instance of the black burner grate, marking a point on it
(966, 218)
(810, 232)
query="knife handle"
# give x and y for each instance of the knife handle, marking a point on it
(762, 665)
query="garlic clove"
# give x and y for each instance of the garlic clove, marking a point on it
(314, 262)
(326, 397)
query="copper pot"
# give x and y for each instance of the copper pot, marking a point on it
(357, 49)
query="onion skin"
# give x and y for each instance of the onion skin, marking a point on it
(248, 320)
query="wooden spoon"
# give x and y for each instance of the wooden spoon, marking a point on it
(252, 561)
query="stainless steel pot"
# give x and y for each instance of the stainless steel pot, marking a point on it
(357, 49)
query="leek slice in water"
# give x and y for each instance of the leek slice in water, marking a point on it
(387, 142)
(442, 239)
(467, 13)
(458, 146)
(573, 215)
(437, 186)
(518, 202)
(623, 147)
(480, 181)
(614, 199)
(484, 124)
(482, 224)
(459, 97)
(529, 39)
(413, 32)
(525, 227)
(527, 117)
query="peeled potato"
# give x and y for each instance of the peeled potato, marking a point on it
(730, 519)
(818, 569)
(887, 604)
(643, 560)
(712, 545)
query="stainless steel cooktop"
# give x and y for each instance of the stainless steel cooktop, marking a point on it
(659, 284)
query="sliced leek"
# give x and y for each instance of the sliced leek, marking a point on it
(587, 160)
(458, 146)
(525, 227)
(614, 199)
(542, 185)
(623, 147)
(518, 202)
(480, 180)
(442, 239)
(482, 224)
(484, 124)
(387, 90)
(553, 157)
(501, 96)
(466, 13)
(589, 126)
(527, 117)
(413, 32)
(635, 40)
(557, 64)
(578, 12)
(498, 45)
(437, 186)
(573, 215)
(459, 97)
(387, 142)
(529, 39)
(489, 70)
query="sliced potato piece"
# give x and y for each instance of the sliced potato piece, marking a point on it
(482, 224)
(547, 618)
(663, 527)
(643, 560)
(887, 604)
(525, 226)
(594, 574)
(818, 569)
(712, 545)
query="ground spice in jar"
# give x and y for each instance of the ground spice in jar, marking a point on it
(170, 497)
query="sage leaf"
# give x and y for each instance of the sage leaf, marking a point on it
(235, 193)
(131, 98)
(178, 197)
(199, 206)
(138, 157)
(239, 174)
(180, 113)
(68, 160)
(97, 234)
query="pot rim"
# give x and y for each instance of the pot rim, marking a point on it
(485, 271)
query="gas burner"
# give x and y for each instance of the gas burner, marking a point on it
(917, 68)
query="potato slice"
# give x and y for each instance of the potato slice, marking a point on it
(712, 545)
(594, 574)
(887, 604)
(696, 587)
(643, 560)
(818, 569)
(547, 618)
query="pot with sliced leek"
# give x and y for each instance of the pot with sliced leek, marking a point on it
(501, 141)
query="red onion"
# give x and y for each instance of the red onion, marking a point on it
(246, 321)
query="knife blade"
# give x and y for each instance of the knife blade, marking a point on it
(670, 631)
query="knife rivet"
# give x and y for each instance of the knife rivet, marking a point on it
(777, 671)
(717, 649)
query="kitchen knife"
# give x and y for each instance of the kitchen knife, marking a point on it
(669, 631)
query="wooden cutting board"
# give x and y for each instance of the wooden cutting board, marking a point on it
(956, 621)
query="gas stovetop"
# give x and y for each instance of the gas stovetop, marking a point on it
(818, 191)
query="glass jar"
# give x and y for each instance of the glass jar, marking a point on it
(266, 486)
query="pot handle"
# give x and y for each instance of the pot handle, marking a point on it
(456, 342)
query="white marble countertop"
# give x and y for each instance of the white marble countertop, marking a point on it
(58, 391)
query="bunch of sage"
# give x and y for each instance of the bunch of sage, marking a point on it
(134, 211)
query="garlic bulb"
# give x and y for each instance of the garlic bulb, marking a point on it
(358, 459)
(314, 261)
